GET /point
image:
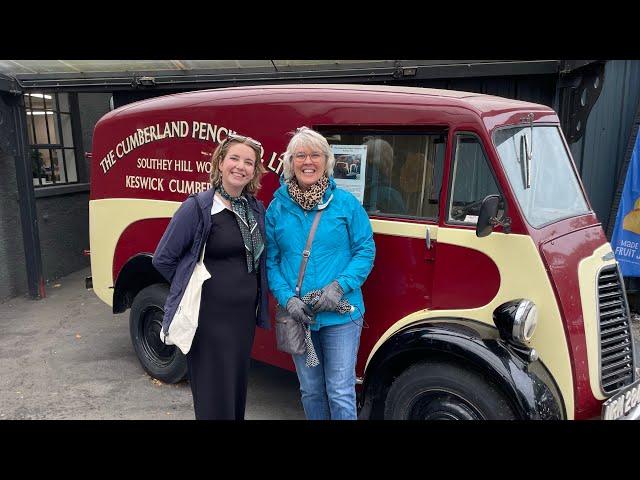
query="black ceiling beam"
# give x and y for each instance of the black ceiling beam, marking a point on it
(346, 73)
(569, 66)
(9, 84)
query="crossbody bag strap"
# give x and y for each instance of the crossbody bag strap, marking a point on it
(307, 251)
(201, 218)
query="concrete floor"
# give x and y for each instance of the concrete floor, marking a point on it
(68, 357)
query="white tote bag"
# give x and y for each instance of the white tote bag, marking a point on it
(185, 321)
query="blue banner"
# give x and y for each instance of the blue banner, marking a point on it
(626, 234)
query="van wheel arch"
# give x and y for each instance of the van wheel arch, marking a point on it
(384, 375)
(445, 389)
(137, 273)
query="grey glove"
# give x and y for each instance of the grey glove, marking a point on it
(329, 298)
(300, 311)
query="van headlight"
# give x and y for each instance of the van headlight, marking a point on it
(516, 320)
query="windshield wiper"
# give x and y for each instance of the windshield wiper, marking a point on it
(526, 153)
(526, 161)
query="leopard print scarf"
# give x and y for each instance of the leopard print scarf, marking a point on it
(307, 199)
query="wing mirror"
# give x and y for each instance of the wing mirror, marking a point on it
(488, 216)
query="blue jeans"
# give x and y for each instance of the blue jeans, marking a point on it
(328, 389)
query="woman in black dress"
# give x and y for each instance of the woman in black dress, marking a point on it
(231, 221)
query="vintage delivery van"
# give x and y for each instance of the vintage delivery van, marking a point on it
(494, 292)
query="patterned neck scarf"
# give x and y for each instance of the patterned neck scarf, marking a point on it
(307, 199)
(253, 243)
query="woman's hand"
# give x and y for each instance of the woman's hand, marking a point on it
(300, 311)
(329, 298)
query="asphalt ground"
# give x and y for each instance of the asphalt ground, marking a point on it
(68, 357)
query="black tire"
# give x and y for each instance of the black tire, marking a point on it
(164, 362)
(440, 390)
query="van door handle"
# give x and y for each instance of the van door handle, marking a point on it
(428, 239)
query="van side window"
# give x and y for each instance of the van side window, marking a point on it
(472, 180)
(402, 171)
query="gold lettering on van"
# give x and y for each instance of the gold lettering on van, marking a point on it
(177, 129)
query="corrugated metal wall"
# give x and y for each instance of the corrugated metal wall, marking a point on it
(599, 154)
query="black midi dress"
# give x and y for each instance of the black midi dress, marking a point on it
(218, 360)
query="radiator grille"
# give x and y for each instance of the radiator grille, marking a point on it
(616, 348)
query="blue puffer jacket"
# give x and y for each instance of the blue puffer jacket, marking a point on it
(183, 240)
(343, 248)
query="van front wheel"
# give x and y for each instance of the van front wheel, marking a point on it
(164, 362)
(438, 390)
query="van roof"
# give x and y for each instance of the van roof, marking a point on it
(481, 103)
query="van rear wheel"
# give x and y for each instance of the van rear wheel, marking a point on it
(164, 362)
(440, 390)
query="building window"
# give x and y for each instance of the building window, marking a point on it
(51, 148)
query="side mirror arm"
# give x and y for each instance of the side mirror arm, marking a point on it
(503, 221)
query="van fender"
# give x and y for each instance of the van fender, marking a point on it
(528, 386)
(137, 273)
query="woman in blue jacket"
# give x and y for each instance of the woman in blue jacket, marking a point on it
(341, 258)
(227, 221)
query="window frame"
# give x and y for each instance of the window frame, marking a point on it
(574, 169)
(452, 176)
(32, 145)
(380, 130)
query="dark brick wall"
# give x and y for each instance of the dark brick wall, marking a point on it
(63, 221)
(13, 273)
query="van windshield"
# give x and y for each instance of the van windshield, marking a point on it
(554, 191)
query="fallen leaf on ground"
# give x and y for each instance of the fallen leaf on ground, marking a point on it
(78, 335)
(157, 382)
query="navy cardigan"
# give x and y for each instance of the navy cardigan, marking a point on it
(182, 242)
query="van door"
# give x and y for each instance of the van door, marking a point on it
(465, 277)
(397, 176)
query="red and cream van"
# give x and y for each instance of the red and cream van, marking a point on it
(494, 291)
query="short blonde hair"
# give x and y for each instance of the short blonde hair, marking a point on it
(218, 155)
(306, 137)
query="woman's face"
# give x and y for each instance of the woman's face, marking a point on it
(237, 168)
(309, 164)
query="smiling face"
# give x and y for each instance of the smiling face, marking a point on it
(309, 165)
(237, 168)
